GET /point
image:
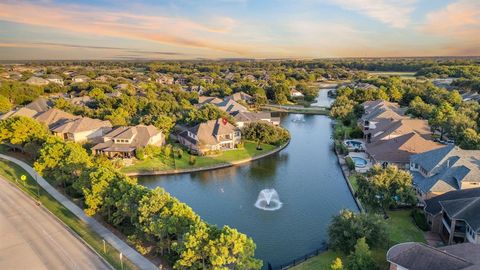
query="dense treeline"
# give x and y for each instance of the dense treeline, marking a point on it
(445, 110)
(153, 221)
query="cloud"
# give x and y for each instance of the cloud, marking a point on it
(458, 24)
(392, 12)
(25, 44)
(94, 21)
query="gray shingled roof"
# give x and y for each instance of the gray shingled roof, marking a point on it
(464, 209)
(432, 206)
(207, 132)
(453, 166)
(418, 256)
(430, 159)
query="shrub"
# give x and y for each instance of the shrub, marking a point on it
(240, 145)
(356, 133)
(153, 150)
(340, 147)
(350, 163)
(192, 160)
(140, 153)
(420, 219)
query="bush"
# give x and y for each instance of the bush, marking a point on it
(420, 219)
(153, 150)
(140, 153)
(340, 147)
(240, 145)
(350, 163)
(356, 133)
(192, 160)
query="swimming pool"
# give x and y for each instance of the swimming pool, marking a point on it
(360, 162)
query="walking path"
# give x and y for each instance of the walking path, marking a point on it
(127, 251)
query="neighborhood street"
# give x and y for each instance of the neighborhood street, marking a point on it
(33, 239)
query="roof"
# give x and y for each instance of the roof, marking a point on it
(39, 105)
(229, 105)
(54, 117)
(37, 81)
(399, 149)
(419, 256)
(81, 124)
(207, 132)
(449, 166)
(241, 96)
(26, 112)
(251, 116)
(432, 206)
(54, 77)
(202, 100)
(467, 209)
(139, 135)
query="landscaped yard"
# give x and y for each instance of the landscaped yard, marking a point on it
(400, 229)
(12, 172)
(161, 163)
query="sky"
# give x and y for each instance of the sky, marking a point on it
(217, 29)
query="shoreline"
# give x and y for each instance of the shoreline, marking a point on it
(209, 168)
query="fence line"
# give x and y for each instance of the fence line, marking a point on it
(299, 260)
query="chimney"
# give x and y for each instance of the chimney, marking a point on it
(448, 163)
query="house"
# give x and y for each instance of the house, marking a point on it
(207, 79)
(124, 141)
(54, 117)
(39, 105)
(81, 101)
(164, 79)
(294, 93)
(242, 96)
(419, 256)
(445, 169)
(25, 112)
(398, 150)
(249, 77)
(80, 79)
(378, 110)
(104, 78)
(231, 106)
(389, 128)
(457, 211)
(54, 78)
(82, 129)
(37, 81)
(212, 135)
(228, 105)
(243, 118)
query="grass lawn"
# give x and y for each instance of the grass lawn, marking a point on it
(353, 181)
(400, 228)
(161, 163)
(12, 172)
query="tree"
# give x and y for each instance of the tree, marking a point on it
(63, 162)
(165, 124)
(342, 108)
(386, 187)
(96, 185)
(5, 104)
(262, 132)
(361, 258)
(440, 117)
(21, 130)
(337, 264)
(347, 227)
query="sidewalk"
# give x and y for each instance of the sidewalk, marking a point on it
(127, 251)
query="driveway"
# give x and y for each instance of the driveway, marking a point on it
(33, 239)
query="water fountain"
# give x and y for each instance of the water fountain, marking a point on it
(268, 200)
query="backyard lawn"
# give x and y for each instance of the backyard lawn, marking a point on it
(400, 228)
(12, 173)
(161, 163)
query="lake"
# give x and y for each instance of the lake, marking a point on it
(306, 176)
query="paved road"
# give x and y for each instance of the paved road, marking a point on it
(33, 239)
(127, 251)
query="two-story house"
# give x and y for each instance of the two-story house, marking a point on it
(445, 169)
(124, 141)
(210, 136)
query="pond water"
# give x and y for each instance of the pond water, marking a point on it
(323, 100)
(305, 176)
